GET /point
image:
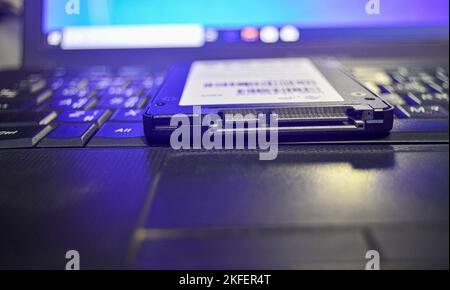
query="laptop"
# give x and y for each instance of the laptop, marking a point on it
(79, 179)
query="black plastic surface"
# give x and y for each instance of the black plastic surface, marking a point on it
(122, 209)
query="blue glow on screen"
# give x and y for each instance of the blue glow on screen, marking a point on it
(232, 14)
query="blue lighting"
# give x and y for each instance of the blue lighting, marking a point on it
(235, 14)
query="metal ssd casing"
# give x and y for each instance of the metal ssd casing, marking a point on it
(361, 115)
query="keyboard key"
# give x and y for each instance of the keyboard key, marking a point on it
(69, 135)
(121, 103)
(442, 75)
(9, 94)
(403, 71)
(372, 87)
(421, 112)
(159, 78)
(56, 84)
(397, 78)
(121, 130)
(428, 99)
(14, 105)
(127, 116)
(426, 77)
(72, 92)
(101, 83)
(393, 99)
(148, 83)
(37, 85)
(43, 96)
(90, 116)
(372, 74)
(121, 92)
(16, 95)
(434, 88)
(32, 85)
(22, 137)
(384, 89)
(26, 118)
(120, 82)
(443, 85)
(119, 134)
(72, 104)
(59, 83)
(413, 87)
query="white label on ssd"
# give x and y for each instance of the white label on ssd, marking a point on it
(256, 81)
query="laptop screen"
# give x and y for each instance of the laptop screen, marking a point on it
(130, 24)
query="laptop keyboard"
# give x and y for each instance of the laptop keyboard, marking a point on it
(416, 93)
(95, 108)
(101, 108)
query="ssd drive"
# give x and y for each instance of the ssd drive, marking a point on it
(308, 98)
